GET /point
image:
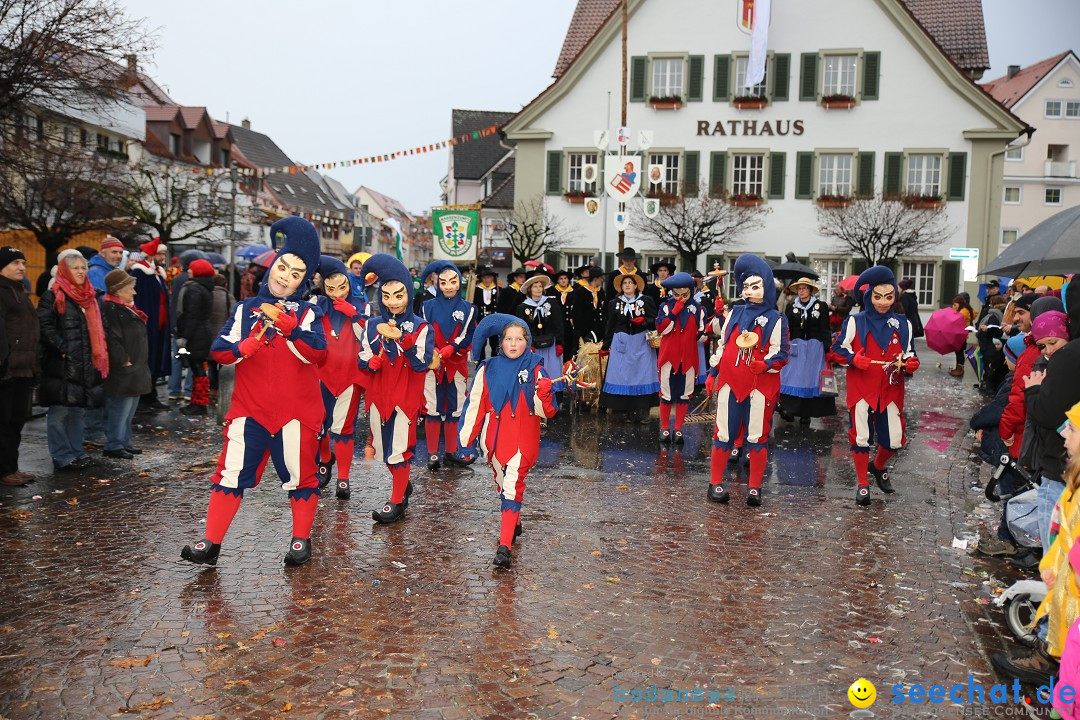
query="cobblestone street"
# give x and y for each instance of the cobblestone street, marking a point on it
(625, 577)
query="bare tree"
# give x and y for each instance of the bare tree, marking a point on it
(66, 53)
(881, 229)
(532, 230)
(174, 201)
(692, 226)
(57, 192)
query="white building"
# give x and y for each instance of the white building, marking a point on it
(918, 123)
(1040, 179)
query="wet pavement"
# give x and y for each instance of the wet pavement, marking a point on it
(625, 581)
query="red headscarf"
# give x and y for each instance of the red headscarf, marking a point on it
(85, 297)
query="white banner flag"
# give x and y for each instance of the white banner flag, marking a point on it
(759, 41)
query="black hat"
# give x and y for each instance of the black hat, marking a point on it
(519, 271)
(9, 255)
(560, 273)
(588, 272)
(486, 271)
(656, 266)
(696, 274)
(627, 253)
(1024, 302)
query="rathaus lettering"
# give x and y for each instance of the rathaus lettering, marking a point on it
(750, 127)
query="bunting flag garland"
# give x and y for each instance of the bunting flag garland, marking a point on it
(386, 157)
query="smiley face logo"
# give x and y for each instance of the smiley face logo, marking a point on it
(862, 693)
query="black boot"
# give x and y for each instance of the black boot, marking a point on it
(343, 491)
(677, 437)
(717, 493)
(883, 481)
(502, 557)
(299, 552)
(735, 454)
(408, 492)
(194, 410)
(322, 471)
(433, 463)
(391, 512)
(517, 532)
(203, 552)
(753, 498)
(862, 495)
(665, 437)
(452, 459)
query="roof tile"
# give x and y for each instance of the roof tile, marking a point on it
(474, 158)
(1008, 91)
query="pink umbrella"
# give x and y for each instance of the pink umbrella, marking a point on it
(534, 264)
(946, 331)
(265, 258)
(848, 283)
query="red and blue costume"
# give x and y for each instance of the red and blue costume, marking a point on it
(878, 350)
(395, 390)
(507, 400)
(748, 380)
(341, 379)
(452, 324)
(275, 411)
(681, 324)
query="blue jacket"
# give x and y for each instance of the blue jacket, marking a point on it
(97, 271)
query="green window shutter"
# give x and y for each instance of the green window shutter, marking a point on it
(717, 173)
(858, 264)
(957, 175)
(871, 75)
(865, 188)
(721, 78)
(554, 172)
(695, 78)
(894, 170)
(691, 173)
(950, 282)
(639, 67)
(781, 76)
(804, 175)
(777, 167)
(808, 77)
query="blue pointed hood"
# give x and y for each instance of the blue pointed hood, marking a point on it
(876, 275)
(493, 326)
(331, 266)
(437, 267)
(386, 268)
(873, 322)
(678, 280)
(746, 314)
(296, 236)
(502, 374)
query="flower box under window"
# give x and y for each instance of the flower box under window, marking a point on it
(666, 199)
(923, 202)
(837, 102)
(666, 102)
(745, 200)
(833, 201)
(750, 102)
(577, 197)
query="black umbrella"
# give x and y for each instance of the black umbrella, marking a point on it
(791, 269)
(1050, 248)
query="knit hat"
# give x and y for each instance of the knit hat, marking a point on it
(9, 255)
(1073, 415)
(117, 280)
(1044, 304)
(1024, 302)
(201, 268)
(1050, 324)
(1014, 348)
(111, 242)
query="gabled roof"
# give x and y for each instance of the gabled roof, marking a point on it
(161, 113)
(193, 116)
(502, 197)
(474, 158)
(388, 204)
(221, 130)
(956, 25)
(1008, 91)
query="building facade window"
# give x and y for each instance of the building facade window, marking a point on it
(734, 290)
(1052, 196)
(1009, 235)
(667, 77)
(651, 260)
(748, 175)
(1072, 109)
(831, 272)
(576, 163)
(924, 175)
(922, 273)
(834, 175)
(174, 144)
(760, 90)
(1052, 109)
(1014, 154)
(839, 75)
(670, 183)
(1012, 196)
(577, 260)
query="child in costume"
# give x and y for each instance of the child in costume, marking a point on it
(752, 348)
(452, 322)
(276, 342)
(876, 346)
(509, 396)
(396, 348)
(680, 322)
(342, 382)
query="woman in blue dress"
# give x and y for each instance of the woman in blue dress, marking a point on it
(631, 383)
(811, 339)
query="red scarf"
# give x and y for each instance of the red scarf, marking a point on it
(130, 306)
(85, 297)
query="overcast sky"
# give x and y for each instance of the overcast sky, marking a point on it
(333, 80)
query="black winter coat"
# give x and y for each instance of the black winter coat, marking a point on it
(68, 375)
(807, 326)
(1047, 404)
(129, 373)
(21, 331)
(910, 303)
(193, 318)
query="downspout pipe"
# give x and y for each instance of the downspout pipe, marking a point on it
(1026, 134)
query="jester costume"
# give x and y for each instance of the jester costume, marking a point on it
(748, 379)
(341, 380)
(395, 389)
(452, 324)
(877, 349)
(681, 323)
(507, 399)
(275, 411)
